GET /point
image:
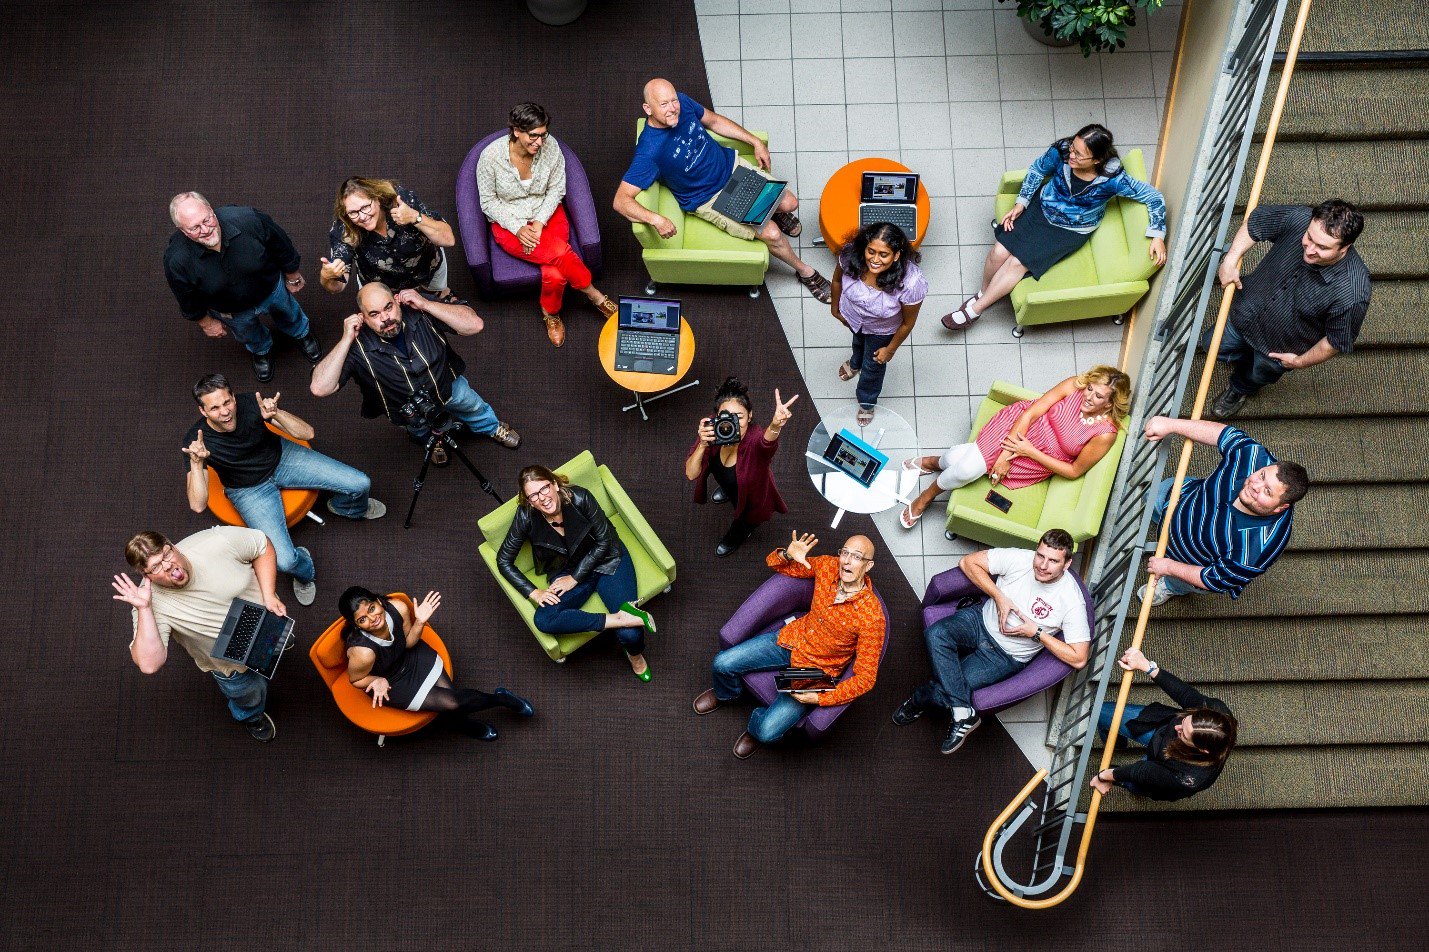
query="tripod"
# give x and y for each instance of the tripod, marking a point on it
(441, 436)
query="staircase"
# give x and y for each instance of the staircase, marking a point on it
(1325, 658)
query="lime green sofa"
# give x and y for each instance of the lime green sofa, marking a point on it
(699, 253)
(1076, 505)
(1103, 278)
(654, 565)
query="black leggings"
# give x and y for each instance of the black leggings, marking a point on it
(738, 532)
(458, 703)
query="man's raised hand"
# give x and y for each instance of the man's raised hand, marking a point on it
(127, 592)
(268, 406)
(196, 451)
(412, 299)
(350, 326)
(798, 548)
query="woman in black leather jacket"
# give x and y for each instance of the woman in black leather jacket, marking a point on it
(574, 545)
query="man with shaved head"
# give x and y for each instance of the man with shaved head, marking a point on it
(676, 148)
(847, 622)
(396, 348)
(227, 267)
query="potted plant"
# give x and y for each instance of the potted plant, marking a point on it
(1098, 26)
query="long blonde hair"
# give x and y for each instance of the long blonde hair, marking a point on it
(1120, 385)
(381, 191)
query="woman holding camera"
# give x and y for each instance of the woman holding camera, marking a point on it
(878, 290)
(384, 232)
(1186, 746)
(387, 658)
(738, 452)
(574, 545)
(1064, 432)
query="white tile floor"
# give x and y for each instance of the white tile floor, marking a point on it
(957, 91)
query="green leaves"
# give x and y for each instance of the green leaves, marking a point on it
(1095, 25)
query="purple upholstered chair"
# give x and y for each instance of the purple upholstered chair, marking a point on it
(495, 271)
(947, 591)
(781, 597)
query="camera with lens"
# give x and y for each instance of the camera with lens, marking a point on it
(425, 412)
(726, 428)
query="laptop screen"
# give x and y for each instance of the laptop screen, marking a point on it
(648, 314)
(767, 197)
(889, 187)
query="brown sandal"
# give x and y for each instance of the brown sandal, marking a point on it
(818, 286)
(969, 319)
(847, 371)
(788, 223)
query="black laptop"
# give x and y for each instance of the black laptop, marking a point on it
(748, 197)
(647, 336)
(252, 636)
(890, 197)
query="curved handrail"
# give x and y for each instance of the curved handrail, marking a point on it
(1164, 534)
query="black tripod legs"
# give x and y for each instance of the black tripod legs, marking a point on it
(444, 439)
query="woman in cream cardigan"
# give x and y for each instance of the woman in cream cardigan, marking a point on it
(521, 180)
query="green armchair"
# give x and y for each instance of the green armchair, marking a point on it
(1076, 505)
(654, 565)
(1103, 278)
(699, 253)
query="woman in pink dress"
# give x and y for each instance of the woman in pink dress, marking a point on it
(1065, 432)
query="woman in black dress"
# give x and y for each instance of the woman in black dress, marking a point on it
(403, 670)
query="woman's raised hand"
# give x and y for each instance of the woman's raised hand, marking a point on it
(428, 607)
(782, 413)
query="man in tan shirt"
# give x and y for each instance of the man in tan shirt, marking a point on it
(185, 591)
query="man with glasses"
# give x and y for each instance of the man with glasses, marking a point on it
(227, 267)
(185, 591)
(846, 623)
(1030, 598)
(384, 232)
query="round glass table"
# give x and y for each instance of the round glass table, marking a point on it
(860, 468)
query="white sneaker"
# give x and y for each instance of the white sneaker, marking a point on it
(1159, 596)
(305, 592)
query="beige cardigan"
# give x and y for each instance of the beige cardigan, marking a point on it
(509, 202)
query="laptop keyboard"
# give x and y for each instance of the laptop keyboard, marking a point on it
(745, 191)
(648, 346)
(903, 216)
(244, 633)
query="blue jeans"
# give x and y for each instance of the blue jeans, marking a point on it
(965, 657)
(760, 653)
(566, 617)
(247, 694)
(281, 306)
(1163, 496)
(1128, 714)
(467, 406)
(1250, 369)
(299, 467)
(870, 371)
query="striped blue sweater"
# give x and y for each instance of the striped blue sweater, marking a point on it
(1207, 529)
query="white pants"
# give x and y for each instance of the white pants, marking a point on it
(961, 465)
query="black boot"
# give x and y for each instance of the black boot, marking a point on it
(518, 704)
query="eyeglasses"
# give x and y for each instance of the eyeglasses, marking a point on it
(856, 556)
(535, 494)
(168, 559)
(363, 211)
(199, 228)
(535, 135)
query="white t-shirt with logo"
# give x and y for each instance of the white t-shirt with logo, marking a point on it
(1056, 605)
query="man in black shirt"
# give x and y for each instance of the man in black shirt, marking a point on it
(230, 265)
(1301, 306)
(256, 465)
(397, 347)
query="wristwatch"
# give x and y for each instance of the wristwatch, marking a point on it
(420, 216)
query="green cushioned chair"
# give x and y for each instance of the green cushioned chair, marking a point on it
(1076, 505)
(699, 253)
(654, 565)
(1103, 278)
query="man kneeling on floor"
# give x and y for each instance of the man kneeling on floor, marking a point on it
(1029, 598)
(845, 623)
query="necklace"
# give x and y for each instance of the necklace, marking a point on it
(1091, 421)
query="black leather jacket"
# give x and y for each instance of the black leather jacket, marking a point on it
(589, 545)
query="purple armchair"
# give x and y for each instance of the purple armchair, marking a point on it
(495, 271)
(947, 591)
(781, 597)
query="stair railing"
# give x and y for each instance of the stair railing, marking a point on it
(1165, 371)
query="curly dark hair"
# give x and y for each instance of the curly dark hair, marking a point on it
(732, 389)
(853, 262)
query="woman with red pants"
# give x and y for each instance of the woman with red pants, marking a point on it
(522, 180)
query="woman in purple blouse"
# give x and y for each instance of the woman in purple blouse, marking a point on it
(878, 290)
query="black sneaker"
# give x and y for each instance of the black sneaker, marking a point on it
(262, 729)
(1228, 404)
(263, 367)
(908, 712)
(958, 732)
(311, 348)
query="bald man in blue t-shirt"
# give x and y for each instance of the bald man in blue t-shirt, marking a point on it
(676, 148)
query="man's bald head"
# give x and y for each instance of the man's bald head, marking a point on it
(662, 103)
(379, 309)
(862, 544)
(855, 559)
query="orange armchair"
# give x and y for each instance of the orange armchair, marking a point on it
(329, 655)
(297, 503)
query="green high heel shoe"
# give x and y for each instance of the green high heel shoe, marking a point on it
(644, 616)
(645, 675)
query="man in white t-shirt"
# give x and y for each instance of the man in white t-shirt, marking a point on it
(1030, 598)
(185, 591)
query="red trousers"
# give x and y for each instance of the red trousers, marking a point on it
(560, 265)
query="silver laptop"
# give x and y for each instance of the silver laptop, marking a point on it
(890, 197)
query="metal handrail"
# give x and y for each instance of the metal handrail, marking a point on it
(991, 849)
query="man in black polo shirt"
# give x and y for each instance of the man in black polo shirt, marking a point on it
(229, 265)
(255, 466)
(396, 347)
(1301, 306)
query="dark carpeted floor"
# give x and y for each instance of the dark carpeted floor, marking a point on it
(136, 816)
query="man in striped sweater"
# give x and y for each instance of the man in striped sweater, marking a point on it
(1231, 525)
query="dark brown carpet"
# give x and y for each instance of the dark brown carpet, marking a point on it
(136, 816)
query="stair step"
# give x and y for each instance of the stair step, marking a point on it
(1330, 103)
(1383, 381)
(1309, 713)
(1398, 315)
(1304, 778)
(1319, 584)
(1338, 25)
(1394, 245)
(1360, 516)
(1331, 648)
(1341, 449)
(1353, 171)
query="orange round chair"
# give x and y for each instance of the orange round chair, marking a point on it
(838, 203)
(329, 656)
(297, 503)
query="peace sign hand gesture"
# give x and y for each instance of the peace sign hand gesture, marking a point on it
(268, 406)
(197, 452)
(782, 412)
